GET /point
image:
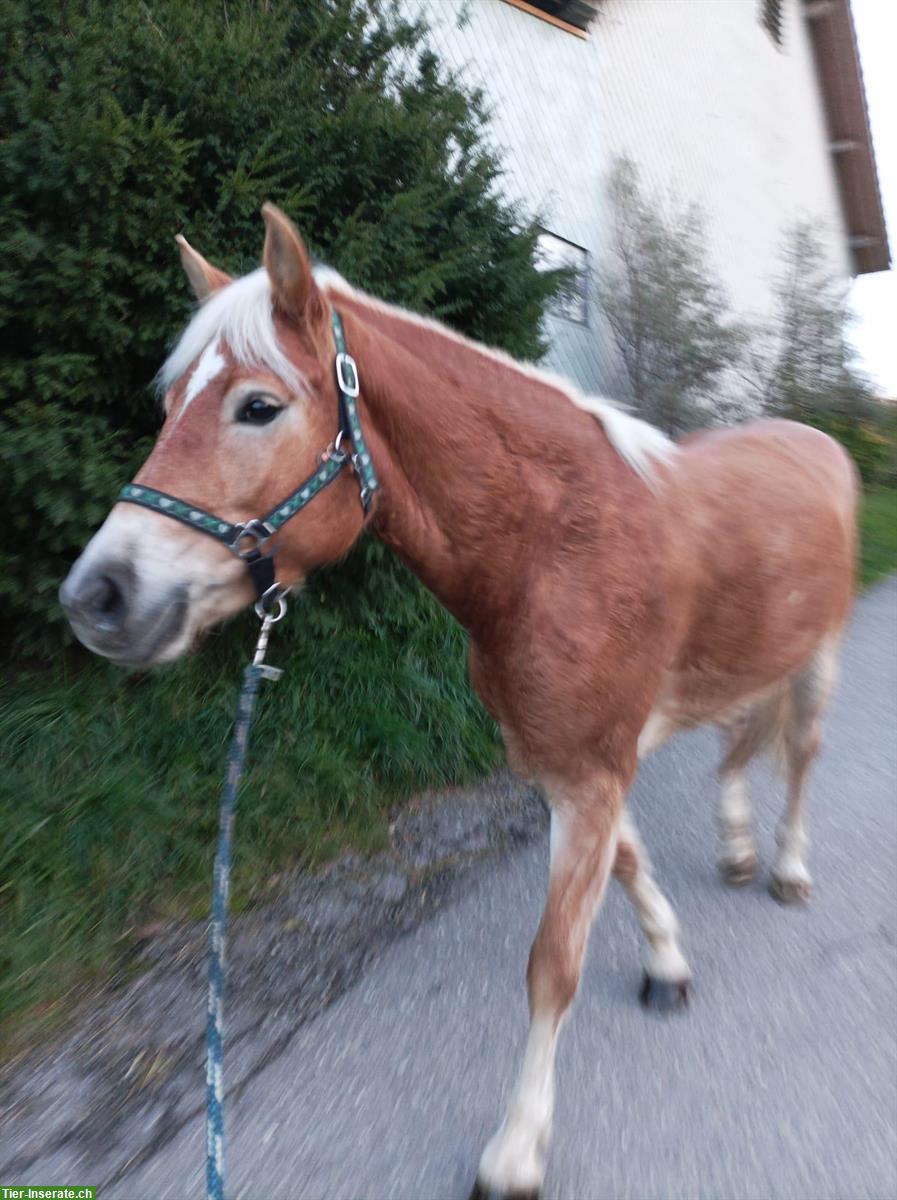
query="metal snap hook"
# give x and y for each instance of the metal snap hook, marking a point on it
(271, 606)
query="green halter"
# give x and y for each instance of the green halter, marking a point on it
(245, 539)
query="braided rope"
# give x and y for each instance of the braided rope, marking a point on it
(236, 760)
(330, 465)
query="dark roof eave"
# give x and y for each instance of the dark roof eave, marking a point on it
(841, 81)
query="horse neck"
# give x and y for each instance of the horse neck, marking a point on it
(476, 459)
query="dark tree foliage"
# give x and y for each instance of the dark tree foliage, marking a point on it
(125, 123)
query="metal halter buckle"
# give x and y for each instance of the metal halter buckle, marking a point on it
(346, 363)
(255, 529)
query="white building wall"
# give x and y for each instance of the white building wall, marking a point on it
(542, 88)
(699, 95)
(694, 91)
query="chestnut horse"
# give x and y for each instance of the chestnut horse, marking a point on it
(616, 587)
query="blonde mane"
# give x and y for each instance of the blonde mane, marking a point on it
(638, 443)
(241, 314)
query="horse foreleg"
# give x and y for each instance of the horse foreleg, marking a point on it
(667, 974)
(583, 845)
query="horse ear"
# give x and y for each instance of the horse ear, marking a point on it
(286, 261)
(204, 278)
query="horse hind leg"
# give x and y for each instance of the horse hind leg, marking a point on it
(790, 880)
(738, 860)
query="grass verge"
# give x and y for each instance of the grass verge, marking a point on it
(878, 543)
(109, 783)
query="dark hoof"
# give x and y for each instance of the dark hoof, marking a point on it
(790, 891)
(661, 995)
(482, 1192)
(737, 874)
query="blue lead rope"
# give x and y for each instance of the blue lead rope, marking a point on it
(236, 761)
(246, 540)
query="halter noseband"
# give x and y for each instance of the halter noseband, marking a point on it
(245, 539)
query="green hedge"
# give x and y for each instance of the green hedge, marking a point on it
(122, 124)
(126, 123)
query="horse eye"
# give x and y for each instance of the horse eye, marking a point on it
(257, 411)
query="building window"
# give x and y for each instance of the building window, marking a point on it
(772, 18)
(555, 252)
(572, 15)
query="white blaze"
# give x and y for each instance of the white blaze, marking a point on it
(210, 364)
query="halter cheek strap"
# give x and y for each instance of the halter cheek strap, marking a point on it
(246, 539)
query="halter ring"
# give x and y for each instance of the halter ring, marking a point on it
(255, 529)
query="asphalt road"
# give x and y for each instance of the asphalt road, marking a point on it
(779, 1082)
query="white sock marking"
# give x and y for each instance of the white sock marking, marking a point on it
(735, 819)
(663, 958)
(514, 1158)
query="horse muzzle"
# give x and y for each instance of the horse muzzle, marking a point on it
(110, 616)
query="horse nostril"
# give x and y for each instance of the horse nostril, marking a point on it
(100, 597)
(108, 602)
